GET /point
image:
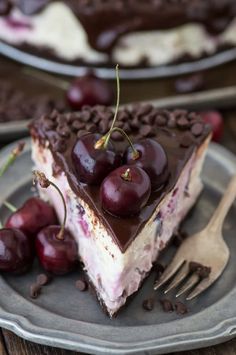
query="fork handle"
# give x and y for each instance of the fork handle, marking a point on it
(217, 220)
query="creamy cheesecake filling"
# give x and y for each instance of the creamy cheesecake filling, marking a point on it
(69, 41)
(116, 275)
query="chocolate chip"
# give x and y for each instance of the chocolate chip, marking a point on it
(91, 127)
(77, 125)
(96, 119)
(63, 131)
(81, 133)
(85, 116)
(167, 305)
(35, 290)
(161, 120)
(148, 304)
(43, 279)
(116, 136)
(186, 140)
(180, 308)
(134, 123)
(60, 145)
(61, 120)
(48, 124)
(127, 128)
(145, 130)
(199, 269)
(81, 285)
(183, 123)
(103, 126)
(197, 129)
(54, 114)
(144, 110)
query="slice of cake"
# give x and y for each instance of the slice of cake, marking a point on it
(132, 33)
(119, 242)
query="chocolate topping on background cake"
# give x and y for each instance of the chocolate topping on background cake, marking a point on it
(68, 127)
(105, 21)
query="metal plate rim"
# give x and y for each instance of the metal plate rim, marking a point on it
(125, 74)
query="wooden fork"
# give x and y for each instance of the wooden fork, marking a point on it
(206, 248)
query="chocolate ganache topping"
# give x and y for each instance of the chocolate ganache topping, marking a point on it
(179, 132)
(105, 21)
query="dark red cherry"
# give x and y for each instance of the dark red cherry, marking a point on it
(215, 119)
(57, 255)
(15, 251)
(34, 215)
(125, 191)
(152, 158)
(93, 165)
(89, 90)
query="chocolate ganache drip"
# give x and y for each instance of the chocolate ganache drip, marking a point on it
(105, 21)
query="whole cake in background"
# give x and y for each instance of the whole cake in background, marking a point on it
(130, 32)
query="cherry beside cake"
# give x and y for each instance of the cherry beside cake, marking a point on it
(133, 33)
(126, 186)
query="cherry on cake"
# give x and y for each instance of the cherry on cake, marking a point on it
(132, 33)
(126, 192)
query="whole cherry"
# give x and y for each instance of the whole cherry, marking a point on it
(34, 215)
(151, 158)
(55, 246)
(215, 119)
(125, 191)
(15, 251)
(94, 156)
(92, 164)
(89, 90)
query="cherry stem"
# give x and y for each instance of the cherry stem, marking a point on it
(127, 175)
(103, 141)
(1, 225)
(12, 157)
(62, 84)
(9, 206)
(45, 183)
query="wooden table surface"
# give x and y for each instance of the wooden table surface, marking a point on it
(10, 344)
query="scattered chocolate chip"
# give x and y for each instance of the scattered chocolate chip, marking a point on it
(197, 129)
(199, 269)
(148, 304)
(127, 128)
(186, 140)
(134, 123)
(43, 279)
(85, 116)
(158, 269)
(54, 114)
(183, 123)
(145, 130)
(35, 290)
(190, 84)
(180, 308)
(81, 285)
(161, 120)
(167, 305)
(103, 126)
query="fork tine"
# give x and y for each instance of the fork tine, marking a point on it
(179, 277)
(171, 269)
(192, 280)
(202, 286)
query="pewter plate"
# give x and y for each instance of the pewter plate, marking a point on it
(108, 73)
(64, 317)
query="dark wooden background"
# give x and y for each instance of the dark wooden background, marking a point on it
(224, 76)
